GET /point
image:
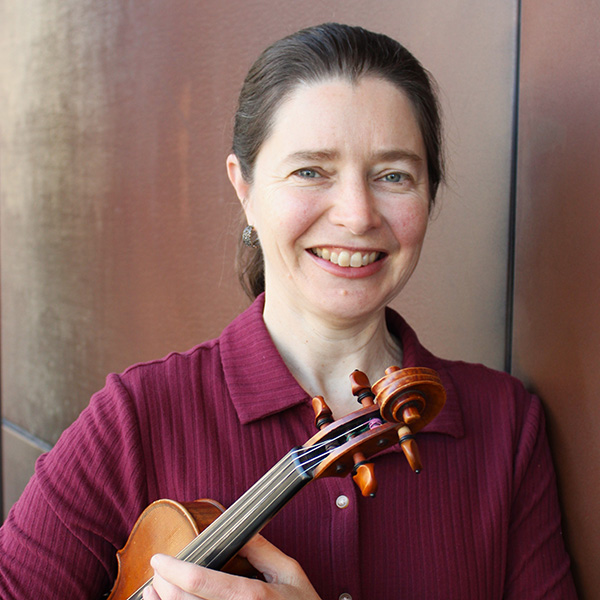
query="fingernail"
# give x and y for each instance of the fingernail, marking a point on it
(155, 561)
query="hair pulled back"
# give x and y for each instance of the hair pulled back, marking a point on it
(317, 54)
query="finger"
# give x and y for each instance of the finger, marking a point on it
(197, 581)
(275, 565)
(150, 593)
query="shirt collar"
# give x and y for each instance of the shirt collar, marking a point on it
(259, 382)
(450, 419)
(261, 385)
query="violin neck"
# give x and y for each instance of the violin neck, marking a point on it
(223, 538)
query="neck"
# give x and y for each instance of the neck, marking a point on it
(322, 353)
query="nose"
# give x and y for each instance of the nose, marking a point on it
(354, 206)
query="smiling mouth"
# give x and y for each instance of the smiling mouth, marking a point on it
(344, 258)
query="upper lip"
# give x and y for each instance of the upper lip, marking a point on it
(335, 248)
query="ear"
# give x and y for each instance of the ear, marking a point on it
(241, 186)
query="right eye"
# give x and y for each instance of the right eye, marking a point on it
(307, 173)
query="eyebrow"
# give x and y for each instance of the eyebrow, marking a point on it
(324, 155)
(393, 155)
(312, 156)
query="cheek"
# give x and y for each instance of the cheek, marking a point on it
(292, 213)
(410, 225)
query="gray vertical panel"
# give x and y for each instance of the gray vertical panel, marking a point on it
(19, 453)
(117, 236)
(557, 285)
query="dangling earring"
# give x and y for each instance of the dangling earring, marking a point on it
(250, 237)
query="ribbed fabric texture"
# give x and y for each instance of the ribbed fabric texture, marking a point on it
(481, 521)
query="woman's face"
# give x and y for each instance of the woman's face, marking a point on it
(339, 198)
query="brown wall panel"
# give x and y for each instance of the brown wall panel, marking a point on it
(557, 285)
(117, 221)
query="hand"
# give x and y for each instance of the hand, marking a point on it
(284, 578)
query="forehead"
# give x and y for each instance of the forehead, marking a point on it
(344, 115)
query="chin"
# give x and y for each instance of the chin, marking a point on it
(344, 305)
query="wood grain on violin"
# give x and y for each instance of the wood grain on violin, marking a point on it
(399, 404)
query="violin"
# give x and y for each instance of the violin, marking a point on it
(396, 407)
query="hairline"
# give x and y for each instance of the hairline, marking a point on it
(321, 78)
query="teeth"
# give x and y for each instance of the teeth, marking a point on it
(345, 259)
(356, 260)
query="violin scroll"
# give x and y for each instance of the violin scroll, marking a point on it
(398, 405)
(412, 396)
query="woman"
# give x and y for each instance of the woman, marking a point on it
(336, 161)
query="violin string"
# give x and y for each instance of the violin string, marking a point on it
(247, 516)
(193, 551)
(209, 543)
(290, 458)
(237, 518)
(210, 539)
(274, 473)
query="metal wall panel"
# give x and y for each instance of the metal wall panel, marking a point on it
(116, 231)
(557, 284)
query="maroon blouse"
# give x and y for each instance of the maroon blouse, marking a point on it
(481, 521)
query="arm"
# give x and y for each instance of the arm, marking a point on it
(537, 563)
(60, 538)
(284, 578)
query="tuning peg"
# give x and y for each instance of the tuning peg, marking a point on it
(410, 449)
(323, 414)
(364, 475)
(361, 388)
(365, 479)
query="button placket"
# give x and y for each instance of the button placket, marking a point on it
(345, 537)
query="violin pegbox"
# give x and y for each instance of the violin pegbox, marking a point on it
(398, 405)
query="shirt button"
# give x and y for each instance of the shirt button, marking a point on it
(345, 596)
(343, 502)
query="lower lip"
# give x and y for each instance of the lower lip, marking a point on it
(348, 272)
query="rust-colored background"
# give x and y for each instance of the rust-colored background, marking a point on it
(118, 225)
(557, 282)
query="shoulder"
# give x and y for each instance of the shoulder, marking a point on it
(476, 384)
(172, 367)
(472, 382)
(502, 419)
(165, 389)
(480, 401)
(203, 368)
(476, 380)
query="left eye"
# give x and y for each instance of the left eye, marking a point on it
(307, 173)
(395, 177)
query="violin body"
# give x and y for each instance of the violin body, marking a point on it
(166, 527)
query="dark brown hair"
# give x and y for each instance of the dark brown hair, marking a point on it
(316, 54)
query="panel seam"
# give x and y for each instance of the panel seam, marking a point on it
(512, 208)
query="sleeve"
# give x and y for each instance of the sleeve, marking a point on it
(538, 565)
(60, 539)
